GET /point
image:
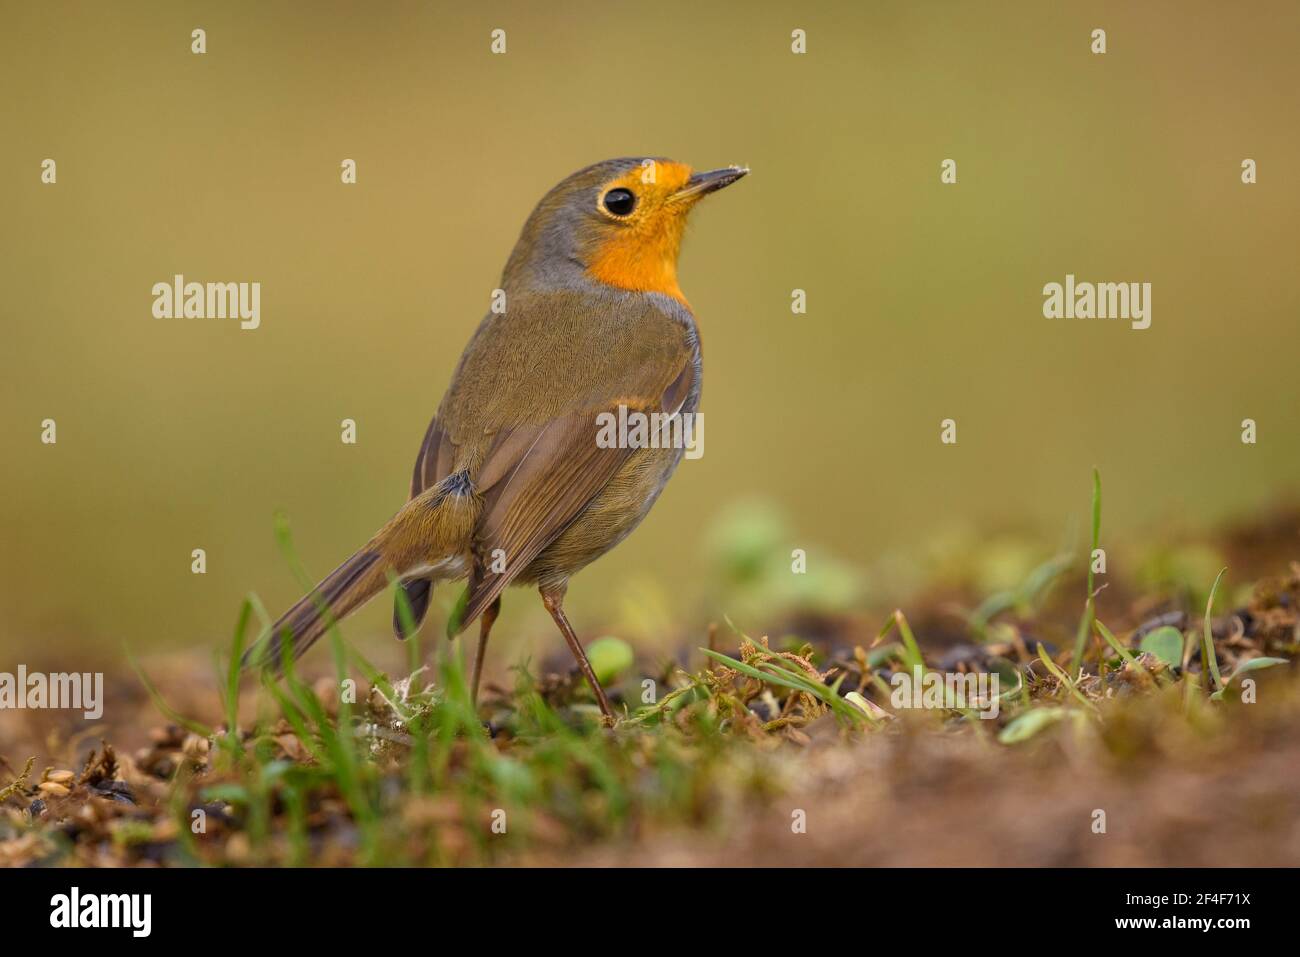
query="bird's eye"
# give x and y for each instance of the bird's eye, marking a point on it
(620, 202)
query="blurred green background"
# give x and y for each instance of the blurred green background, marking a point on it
(924, 301)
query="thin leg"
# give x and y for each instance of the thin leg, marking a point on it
(485, 623)
(554, 601)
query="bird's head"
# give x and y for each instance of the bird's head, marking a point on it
(619, 222)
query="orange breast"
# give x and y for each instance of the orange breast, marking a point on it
(643, 263)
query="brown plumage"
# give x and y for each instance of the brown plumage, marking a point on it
(510, 470)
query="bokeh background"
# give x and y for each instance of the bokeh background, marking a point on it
(924, 300)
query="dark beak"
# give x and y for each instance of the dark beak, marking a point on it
(701, 183)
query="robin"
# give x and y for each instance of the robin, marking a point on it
(511, 485)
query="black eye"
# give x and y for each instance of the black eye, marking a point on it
(620, 202)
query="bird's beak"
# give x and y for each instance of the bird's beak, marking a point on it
(702, 183)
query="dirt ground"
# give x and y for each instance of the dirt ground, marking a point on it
(1139, 767)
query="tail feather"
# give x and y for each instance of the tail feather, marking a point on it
(418, 591)
(344, 590)
(430, 530)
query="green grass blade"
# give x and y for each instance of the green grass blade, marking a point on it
(1090, 606)
(1207, 637)
(170, 713)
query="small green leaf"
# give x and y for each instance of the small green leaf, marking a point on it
(873, 711)
(609, 658)
(1255, 664)
(1025, 726)
(1165, 643)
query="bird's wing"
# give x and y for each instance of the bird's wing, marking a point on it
(543, 468)
(433, 462)
(432, 465)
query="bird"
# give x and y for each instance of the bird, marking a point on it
(511, 485)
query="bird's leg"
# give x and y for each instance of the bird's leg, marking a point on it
(553, 599)
(485, 622)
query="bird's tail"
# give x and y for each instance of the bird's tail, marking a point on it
(343, 591)
(430, 529)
